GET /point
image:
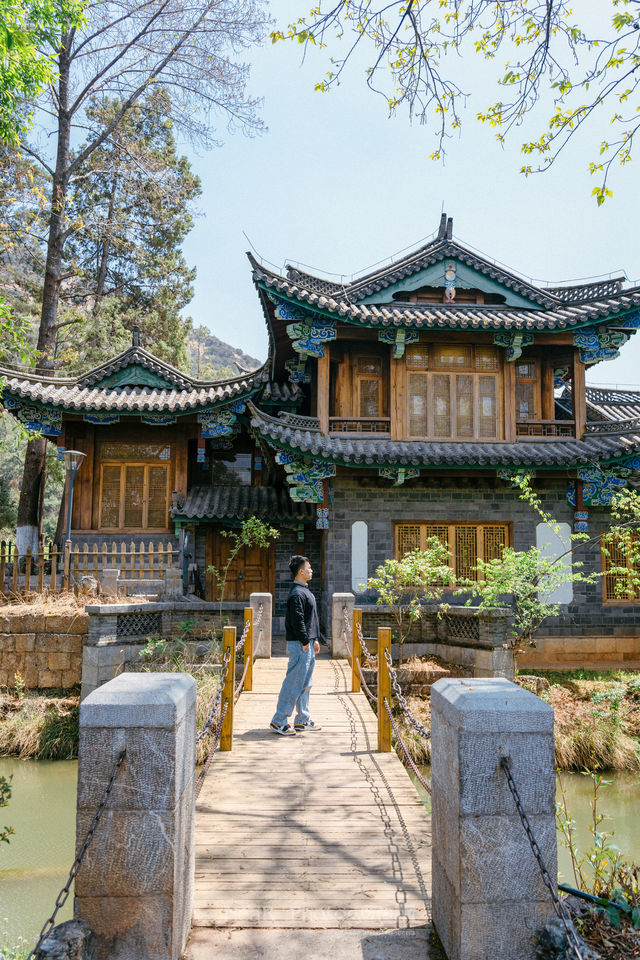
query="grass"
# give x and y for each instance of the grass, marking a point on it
(597, 717)
(39, 727)
(13, 950)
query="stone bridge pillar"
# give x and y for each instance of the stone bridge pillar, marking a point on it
(488, 895)
(135, 885)
(338, 602)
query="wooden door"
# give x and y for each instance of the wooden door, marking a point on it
(252, 570)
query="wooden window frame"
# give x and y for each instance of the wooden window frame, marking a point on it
(451, 534)
(431, 371)
(613, 600)
(378, 378)
(536, 380)
(146, 465)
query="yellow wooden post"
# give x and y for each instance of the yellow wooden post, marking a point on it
(229, 689)
(54, 568)
(355, 650)
(384, 691)
(248, 649)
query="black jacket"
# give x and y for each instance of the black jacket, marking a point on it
(301, 620)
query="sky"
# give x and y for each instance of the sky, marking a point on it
(337, 185)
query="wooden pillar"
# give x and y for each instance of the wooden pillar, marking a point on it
(248, 649)
(384, 691)
(323, 390)
(396, 411)
(355, 650)
(578, 394)
(229, 688)
(509, 401)
(548, 399)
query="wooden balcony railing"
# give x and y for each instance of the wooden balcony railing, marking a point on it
(361, 425)
(545, 428)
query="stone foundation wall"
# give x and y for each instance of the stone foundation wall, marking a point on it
(584, 652)
(45, 649)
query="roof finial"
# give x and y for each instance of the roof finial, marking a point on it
(442, 229)
(449, 228)
(135, 342)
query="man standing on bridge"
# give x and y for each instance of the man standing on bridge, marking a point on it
(302, 631)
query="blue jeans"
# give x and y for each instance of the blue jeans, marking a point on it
(296, 685)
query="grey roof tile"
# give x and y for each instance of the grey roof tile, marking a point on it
(235, 501)
(429, 454)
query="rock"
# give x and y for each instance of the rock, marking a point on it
(88, 586)
(67, 941)
(553, 945)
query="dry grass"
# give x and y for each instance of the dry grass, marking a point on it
(64, 604)
(597, 718)
(38, 727)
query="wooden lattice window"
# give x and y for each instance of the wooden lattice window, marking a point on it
(369, 386)
(527, 391)
(466, 542)
(618, 584)
(134, 496)
(445, 403)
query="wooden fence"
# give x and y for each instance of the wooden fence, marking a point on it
(56, 570)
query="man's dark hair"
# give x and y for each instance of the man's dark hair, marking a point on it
(296, 562)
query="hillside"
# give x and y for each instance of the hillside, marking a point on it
(211, 357)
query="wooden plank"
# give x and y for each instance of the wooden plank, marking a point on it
(323, 389)
(578, 394)
(305, 832)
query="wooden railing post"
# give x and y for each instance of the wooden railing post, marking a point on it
(355, 650)
(54, 568)
(229, 689)
(384, 691)
(248, 649)
(3, 565)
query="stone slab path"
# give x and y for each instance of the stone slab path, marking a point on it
(313, 832)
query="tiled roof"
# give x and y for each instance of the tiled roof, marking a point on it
(607, 404)
(372, 451)
(226, 502)
(137, 356)
(425, 316)
(68, 394)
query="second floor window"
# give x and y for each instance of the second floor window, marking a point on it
(368, 377)
(452, 392)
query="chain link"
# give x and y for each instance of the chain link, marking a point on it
(364, 685)
(215, 706)
(410, 759)
(245, 634)
(214, 746)
(260, 615)
(64, 893)
(402, 700)
(558, 906)
(371, 658)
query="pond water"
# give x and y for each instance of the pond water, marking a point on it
(35, 865)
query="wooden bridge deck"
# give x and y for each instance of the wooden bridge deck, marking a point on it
(313, 831)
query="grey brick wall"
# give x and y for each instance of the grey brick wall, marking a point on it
(442, 500)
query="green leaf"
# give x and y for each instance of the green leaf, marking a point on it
(613, 916)
(635, 918)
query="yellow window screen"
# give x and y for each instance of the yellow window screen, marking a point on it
(418, 420)
(441, 400)
(157, 497)
(110, 496)
(417, 357)
(467, 543)
(487, 407)
(620, 566)
(407, 538)
(133, 495)
(464, 406)
(450, 358)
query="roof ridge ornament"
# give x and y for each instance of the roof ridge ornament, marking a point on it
(445, 230)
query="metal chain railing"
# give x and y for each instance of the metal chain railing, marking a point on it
(259, 615)
(410, 759)
(245, 634)
(402, 700)
(364, 684)
(371, 658)
(214, 747)
(215, 706)
(64, 893)
(558, 906)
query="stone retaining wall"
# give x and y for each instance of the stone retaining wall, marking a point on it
(45, 649)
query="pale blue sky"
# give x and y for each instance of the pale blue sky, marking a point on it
(337, 185)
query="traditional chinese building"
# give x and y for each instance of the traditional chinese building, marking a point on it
(391, 408)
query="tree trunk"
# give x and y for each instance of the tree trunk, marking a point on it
(28, 523)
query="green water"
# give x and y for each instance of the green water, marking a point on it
(36, 863)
